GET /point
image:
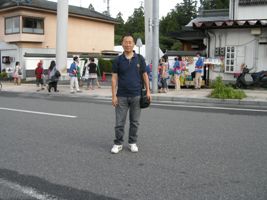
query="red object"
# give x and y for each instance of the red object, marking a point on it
(38, 72)
(104, 77)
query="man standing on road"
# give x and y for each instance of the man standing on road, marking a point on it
(126, 90)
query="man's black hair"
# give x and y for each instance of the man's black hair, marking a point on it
(127, 35)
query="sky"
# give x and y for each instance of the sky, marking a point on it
(126, 7)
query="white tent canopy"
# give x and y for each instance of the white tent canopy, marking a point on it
(136, 49)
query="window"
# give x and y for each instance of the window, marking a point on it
(230, 55)
(12, 25)
(33, 25)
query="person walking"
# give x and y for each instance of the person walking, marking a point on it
(39, 71)
(177, 72)
(17, 75)
(198, 71)
(126, 90)
(53, 76)
(85, 73)
(163, 74)
(79, 76)
(92, 73)
(73, 75)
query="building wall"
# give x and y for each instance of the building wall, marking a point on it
(90, 36)
(84, 35)
(238, 12)
(248, 50)
(259, 12)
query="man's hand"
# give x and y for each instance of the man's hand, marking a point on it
(114, 101)
(148, 94)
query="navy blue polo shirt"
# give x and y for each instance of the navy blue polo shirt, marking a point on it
(129, 80)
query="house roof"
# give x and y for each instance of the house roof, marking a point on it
(104, 54)
(184, 53)
(229, 24)
(207, 19)
(52, 6)
(252, 2)
(218, 19)
(189, 34)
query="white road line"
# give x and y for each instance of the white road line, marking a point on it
(210, 107)
(27, 191)
(39, 113)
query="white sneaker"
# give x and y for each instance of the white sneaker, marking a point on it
(133, 148)
(116, 148)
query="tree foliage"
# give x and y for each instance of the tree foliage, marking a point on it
(214, 4)
(136, 22)
(173, 22)
(119, 28)
(181, 15)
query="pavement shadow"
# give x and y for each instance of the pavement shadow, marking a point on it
(44, 186)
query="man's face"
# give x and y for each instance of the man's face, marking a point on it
(128, 44)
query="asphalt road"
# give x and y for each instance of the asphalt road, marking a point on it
(59, 148)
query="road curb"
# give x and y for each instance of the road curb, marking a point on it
(252, 100)
(210, 100)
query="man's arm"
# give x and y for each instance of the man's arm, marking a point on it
(146, 81)
(114, 80)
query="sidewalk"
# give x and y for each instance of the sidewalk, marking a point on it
(254, 97)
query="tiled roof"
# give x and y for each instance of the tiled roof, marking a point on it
(52, 6)
(230, 24)
(207, 19)
(252, 2)
(191, 34)
(184, 53)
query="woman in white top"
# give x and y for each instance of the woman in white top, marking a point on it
(17, 75)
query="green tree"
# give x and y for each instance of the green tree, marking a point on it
(135, 23)
(180, 16)
(214, 4)
(119, 29)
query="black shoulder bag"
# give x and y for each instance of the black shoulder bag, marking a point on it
(144, 101)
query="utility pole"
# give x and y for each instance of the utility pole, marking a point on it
(108, 8)
(148, 30)
(155, 45)
(62, 34)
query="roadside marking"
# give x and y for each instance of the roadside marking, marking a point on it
(38, 113)
(210, 107)
(27, 191)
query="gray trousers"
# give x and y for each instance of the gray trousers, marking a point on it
(124, 104)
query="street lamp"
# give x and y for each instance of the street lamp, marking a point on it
(139, 44)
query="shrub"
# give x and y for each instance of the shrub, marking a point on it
(105, 65)
(221, 91)
(3, 75)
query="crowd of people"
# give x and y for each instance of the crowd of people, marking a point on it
(77, 78)
(177, 72)
(89, 74)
